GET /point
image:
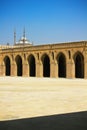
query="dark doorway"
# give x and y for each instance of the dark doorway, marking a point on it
(19, 65)
(79, 66)
(46, 66)
(32, 67)
(7, 66)
(62, 66)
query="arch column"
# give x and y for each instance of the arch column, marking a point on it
(39, 69)
(70, 69)
(2, 70)
(53, 69)
(85, 66)
(25, 69)
(13, 69)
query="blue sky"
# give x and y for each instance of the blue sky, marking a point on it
(45, 21)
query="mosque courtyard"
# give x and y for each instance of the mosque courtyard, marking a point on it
(22, 97)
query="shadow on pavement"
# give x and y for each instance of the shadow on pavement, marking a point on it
(71, 121)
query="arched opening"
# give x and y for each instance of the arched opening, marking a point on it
(61, 65)
(7, 66)
(79, 66)
(46, 66)
(19, 65)
(32, 67)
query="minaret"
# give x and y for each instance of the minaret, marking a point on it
(24, 33)
(24, 36)
(14, 37)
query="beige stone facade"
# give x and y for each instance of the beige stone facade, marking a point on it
(67, 60)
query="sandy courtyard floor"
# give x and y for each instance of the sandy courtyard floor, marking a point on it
(31, 97)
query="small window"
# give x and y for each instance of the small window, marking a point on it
(24, 56)
(69, 54)
(38, 56)
(53, 55)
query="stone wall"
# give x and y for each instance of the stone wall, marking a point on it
(68, 60)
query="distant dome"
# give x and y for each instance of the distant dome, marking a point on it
(23, 41)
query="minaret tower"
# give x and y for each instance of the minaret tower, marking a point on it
(14, 37)
(24, 36)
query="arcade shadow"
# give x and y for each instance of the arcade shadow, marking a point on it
(71, 121)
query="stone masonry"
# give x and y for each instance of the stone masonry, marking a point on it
(67, 60)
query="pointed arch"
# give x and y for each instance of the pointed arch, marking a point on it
(7, 66)
(32, 65)
(79, 65)
(61, 60)
(18, 60)
(46, 65)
